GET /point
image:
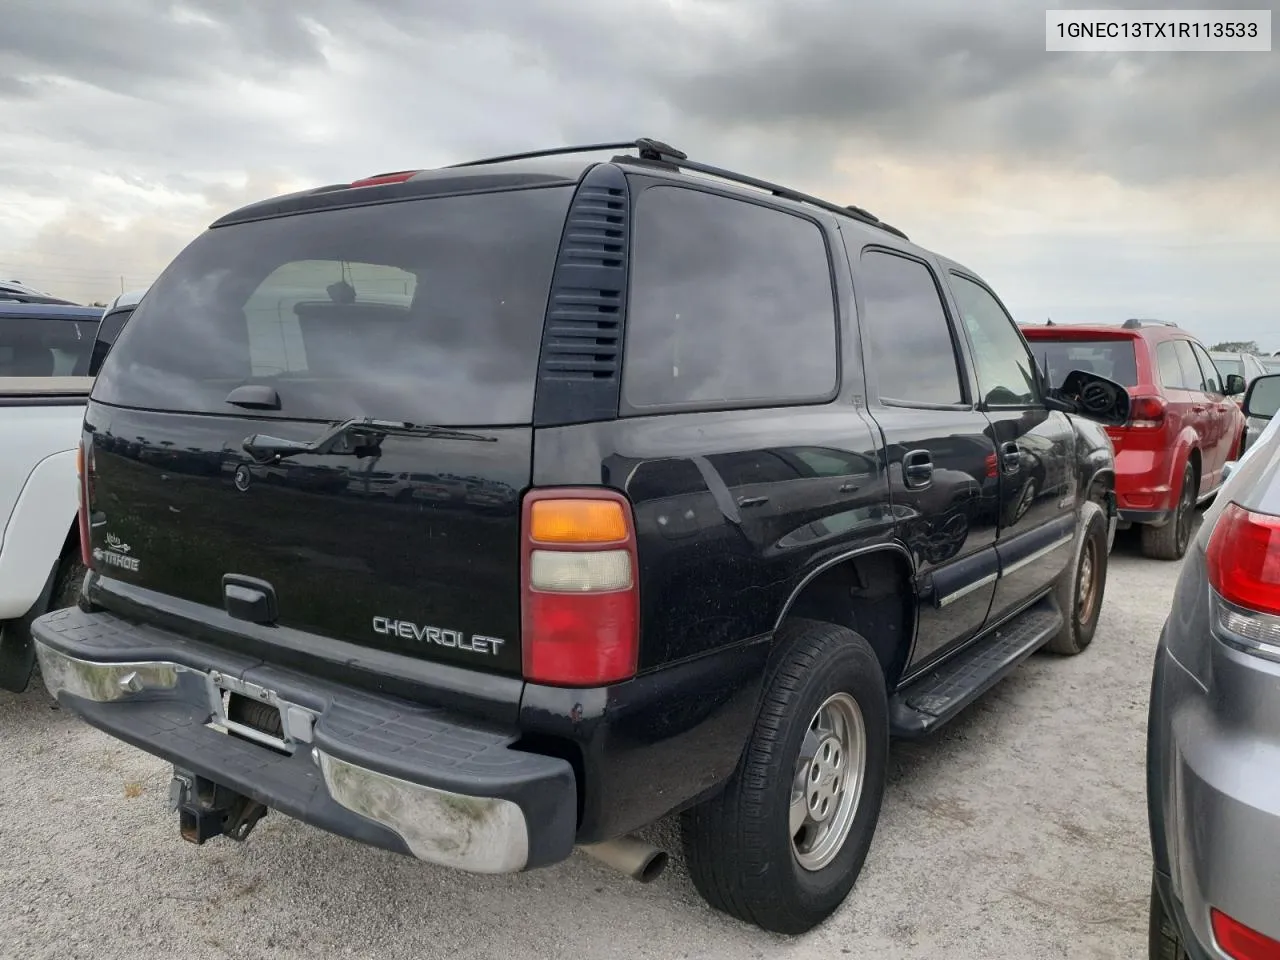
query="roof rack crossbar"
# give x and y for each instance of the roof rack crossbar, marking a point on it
(655, 151)
(1133, 323)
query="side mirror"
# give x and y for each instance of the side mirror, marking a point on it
(1092, 396)
(1263, 398)
(1235, 384)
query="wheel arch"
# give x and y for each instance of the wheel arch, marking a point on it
(869, 590)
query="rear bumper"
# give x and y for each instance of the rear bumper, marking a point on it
(404, 777)
(1143, 483)
(1153, 518)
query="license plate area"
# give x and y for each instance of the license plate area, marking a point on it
(254, 712)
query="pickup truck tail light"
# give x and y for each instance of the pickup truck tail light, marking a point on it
(83, 469)
(580, 607)
(1243, 559)
(1147, 412)
(1240, 942)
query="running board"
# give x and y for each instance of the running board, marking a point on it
(927, 703)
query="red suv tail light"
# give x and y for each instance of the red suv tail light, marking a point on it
(83, 469)
(1241, 943)
(1147, 412)
(580, 607)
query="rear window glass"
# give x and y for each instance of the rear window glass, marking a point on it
(1113, 359)
(425, 310)
(45, 346)
(1226, 366)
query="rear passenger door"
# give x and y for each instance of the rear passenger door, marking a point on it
(940, 456)
(1219, 420)
(1035, 448)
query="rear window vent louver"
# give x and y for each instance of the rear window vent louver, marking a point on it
(581, 358)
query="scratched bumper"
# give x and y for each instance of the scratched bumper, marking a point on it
(405, 777)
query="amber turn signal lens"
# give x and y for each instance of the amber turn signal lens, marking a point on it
(577, 521)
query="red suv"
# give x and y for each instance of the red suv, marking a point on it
(1183, 425)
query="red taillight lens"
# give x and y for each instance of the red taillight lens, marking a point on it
(1243, 559)
(83, 468)
(580, 607)
(1241, 943)
(1147, 411)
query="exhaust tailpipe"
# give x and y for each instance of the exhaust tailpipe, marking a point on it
(638, 860)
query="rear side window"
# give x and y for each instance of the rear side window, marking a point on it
(45, 346)
(1178, 369)
(731, 303)
(1113, 359)
(423, 310)
(908, 337)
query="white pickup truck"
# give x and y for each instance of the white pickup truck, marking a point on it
(47, 364)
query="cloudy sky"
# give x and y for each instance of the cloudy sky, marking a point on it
(1083, 186)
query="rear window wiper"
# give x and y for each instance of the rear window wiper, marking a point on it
(358, 437)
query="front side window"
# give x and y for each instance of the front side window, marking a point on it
(1212, 379)
(908, 336)
(731, 303)
(1006, 373)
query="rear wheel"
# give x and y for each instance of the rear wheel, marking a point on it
(1169, 542)
(1082, 586)
(1165, 942)
(782, 845)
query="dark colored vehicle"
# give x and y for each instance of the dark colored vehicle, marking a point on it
(1214, 726)
(1184, 426)
(13, 291)
(711, 487)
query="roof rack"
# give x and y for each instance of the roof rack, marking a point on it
(1133, 323)
(657, 152)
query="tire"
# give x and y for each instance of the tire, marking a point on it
(1164, 940)
(66, 590)
(740, 848)
(1082, 585)
(1169, 542)
(19, 668)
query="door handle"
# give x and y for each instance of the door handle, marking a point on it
(752, 501)
(1197, 408)
(917, 469)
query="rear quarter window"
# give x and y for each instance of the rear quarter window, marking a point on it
(731, 304)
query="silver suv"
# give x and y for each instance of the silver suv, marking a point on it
(1213, 741)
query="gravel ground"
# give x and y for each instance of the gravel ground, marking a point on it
(1018, 831)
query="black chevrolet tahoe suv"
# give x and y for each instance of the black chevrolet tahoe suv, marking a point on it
(487, 512)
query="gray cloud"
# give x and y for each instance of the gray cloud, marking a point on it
(177, 103)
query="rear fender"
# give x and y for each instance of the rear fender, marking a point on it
(1186, 442)
(43, 519)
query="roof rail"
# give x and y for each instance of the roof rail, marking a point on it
(657, 152)
(1133, 323)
